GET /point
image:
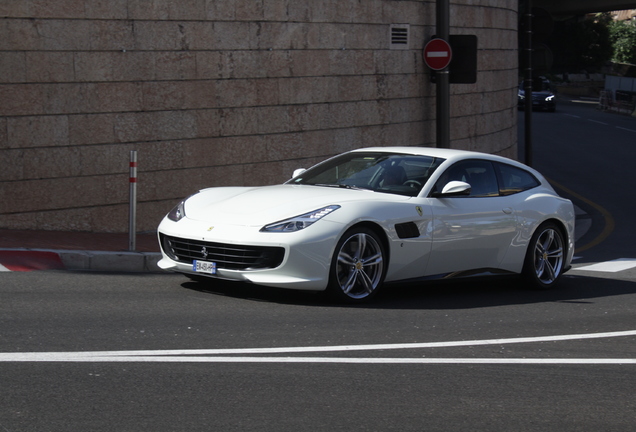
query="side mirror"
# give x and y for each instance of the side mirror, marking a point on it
(298, 172)
(454, 188)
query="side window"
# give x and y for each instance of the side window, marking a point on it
(479, 174)
(514, 180)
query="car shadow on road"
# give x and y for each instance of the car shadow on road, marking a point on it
(458, 294)
(486, 293)
(253, 292)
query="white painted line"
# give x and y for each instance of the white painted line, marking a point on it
(343, 360)
(626, 129)
(614, 266)
(599, 122)
(336, 348)
(437, 54)
(3, 268)
(220, 355)
(572, 115)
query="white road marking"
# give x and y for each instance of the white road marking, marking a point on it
(614, 266)
(599, 122)
(3, 268)
(626, 129)
(344, 360)
(221, 355)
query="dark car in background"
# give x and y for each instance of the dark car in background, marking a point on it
(543, 98)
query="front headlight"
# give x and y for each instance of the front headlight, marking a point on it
(177, 213)
(299, 222)
(549, 98)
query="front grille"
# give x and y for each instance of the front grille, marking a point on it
(226, 256)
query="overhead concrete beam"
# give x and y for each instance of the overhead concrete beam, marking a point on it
(579, 7)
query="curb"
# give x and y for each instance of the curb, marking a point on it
(132, 262)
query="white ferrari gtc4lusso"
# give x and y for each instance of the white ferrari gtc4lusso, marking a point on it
(376, 215)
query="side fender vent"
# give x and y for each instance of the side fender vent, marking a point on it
(407, 230)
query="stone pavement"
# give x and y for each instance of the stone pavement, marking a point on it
(23, 250)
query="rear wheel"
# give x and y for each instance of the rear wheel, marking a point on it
(358, 266)
(543, 265)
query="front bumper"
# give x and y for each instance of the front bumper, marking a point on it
(299, 260)
(538, 103)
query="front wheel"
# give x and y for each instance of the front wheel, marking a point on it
(358, 266)
(543, 265)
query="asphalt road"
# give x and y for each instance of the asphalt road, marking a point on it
(86, 351)
(97, 323)
(592, 154)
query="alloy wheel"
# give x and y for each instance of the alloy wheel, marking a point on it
(548, 256)
(359, 265)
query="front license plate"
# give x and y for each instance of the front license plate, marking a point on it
(204, 267)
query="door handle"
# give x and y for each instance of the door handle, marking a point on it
(507, 210)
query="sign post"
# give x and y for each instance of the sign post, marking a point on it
(439, 54)
(528, 85)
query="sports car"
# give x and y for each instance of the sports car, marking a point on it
(364, 218)
(542, 96)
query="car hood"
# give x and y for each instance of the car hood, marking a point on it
(258, 206)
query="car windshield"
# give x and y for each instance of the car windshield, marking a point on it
(394, 173)
(537, 86)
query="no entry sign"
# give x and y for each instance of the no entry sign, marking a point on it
(437, 54)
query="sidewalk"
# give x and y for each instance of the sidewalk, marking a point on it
(31, 250)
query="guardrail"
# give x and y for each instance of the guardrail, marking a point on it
(620, 102)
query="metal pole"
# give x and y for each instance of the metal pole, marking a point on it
(528, 85)
(132, 215)
(442, 17)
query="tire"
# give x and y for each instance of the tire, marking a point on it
(358, 266)
(543, 265)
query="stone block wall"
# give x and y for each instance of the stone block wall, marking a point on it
(222, 92)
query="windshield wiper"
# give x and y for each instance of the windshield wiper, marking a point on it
(341, 186)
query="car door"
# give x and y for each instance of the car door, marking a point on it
(470, 232)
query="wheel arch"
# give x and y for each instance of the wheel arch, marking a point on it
(376, 228)
(569, 240)
(562, 228)
(353, 292)
(543, 270)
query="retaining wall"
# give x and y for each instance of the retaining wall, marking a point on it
(214, 93)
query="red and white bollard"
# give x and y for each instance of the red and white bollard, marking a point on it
(132, 215)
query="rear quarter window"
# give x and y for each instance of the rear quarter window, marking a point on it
(514, 180)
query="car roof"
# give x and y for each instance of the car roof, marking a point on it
(454, 155)
(451, 156)
(444, 153)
